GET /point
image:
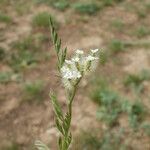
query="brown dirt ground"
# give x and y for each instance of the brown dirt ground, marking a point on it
(24, 122)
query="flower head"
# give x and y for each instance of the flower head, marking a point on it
(91, 58)
(77, 66)
(78, 51)
(94, 50)
(75, 59)
(68, 62)
(69, 73)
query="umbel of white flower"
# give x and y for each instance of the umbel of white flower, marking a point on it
(78, 66)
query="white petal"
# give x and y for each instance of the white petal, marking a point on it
(94, 50)
(75, 59)
(70, 73)
(91, 58)
(68, 62)
(79, 51)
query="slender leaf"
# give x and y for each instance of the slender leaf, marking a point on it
(41, 146)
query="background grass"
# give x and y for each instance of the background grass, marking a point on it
(115, 102)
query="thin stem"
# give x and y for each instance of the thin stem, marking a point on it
(69, 107)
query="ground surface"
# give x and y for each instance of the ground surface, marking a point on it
(121, 29)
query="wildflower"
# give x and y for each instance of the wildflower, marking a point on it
(91, 58)
(79, 52)
(94, 50)
(68, 62)
(71, 72)
(68, 73)
(75, 59)
(78, 66)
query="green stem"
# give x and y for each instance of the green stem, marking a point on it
(69, 107)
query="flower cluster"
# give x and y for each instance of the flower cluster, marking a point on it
(79, 65)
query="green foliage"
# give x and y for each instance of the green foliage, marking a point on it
(41, 146)
(110, 2)
(86, 8)
(13, 146)
(34, 91)
(107, 141)
(126, 106)
(42, 20)
(61, 53)
(87, 140)
(135, 81)
(116, 46)
(147, 6)
(4, 3)
(21, 7)
(41, 38)
(27, 52)
(109, 107)
(4, 18)
(61, 4)
(141, 13)
(43, 1)
(26, 43)
(21, 60)
(6, 77)
(62, 123)
(2, 54)
(103, 57)
(24, 54)
(145, 74)
(109, 104)
(56, 106)
(146, 127)
(99, 84)
(136, 114)
(142, 31)
(113, 141)
(118, 24)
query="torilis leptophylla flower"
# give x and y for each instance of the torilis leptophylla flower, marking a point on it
(77, 67)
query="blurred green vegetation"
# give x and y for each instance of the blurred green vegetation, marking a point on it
(41, 20)
(13, 146)
(33, 91)
(2, 54)
(5, 18)
(86, 8)
(123, 27)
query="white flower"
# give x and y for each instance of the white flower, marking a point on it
(75, 59)
(79, 52)
(68, 73)
(68, 62)
(91, 58)
(78, 66)
(64, 69)
(94, 50)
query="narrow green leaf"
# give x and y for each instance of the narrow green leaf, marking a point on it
(60, 143)
(55, 38)
(59, 126)
(69, 139)
(59, 45)
(64, 54)
(56, 106)
(41, 146)
(66, 122)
